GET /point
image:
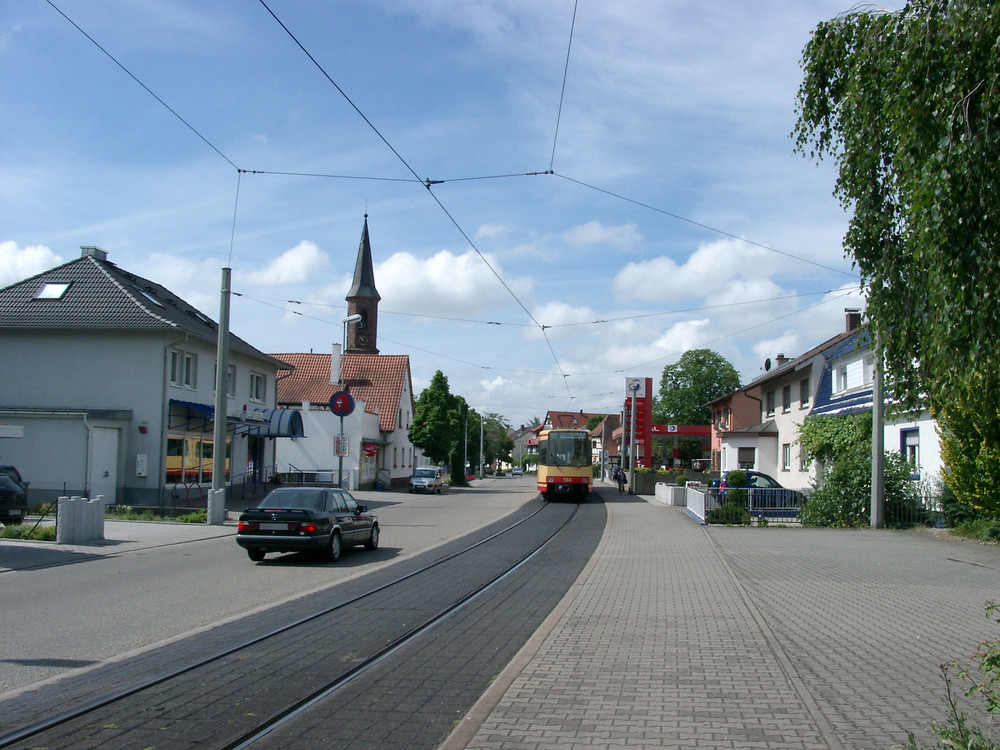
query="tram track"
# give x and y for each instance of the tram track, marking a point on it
(226, 699)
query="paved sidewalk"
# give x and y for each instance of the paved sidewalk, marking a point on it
(684, 636)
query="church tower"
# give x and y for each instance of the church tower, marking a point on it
(362, 299)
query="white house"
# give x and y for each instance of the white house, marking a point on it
(108, 387)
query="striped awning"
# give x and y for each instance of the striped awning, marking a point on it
(275, 423)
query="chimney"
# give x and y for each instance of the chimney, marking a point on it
(853, 319)
(781, 359)
(91, 251)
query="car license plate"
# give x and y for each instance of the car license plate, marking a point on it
(274, 527)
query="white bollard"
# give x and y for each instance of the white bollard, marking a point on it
(216, 514)
(68, 520)
(95, 519)
(62, 521)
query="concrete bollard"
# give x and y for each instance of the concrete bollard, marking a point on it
(68, 520)
(216, 514)
(95, 516)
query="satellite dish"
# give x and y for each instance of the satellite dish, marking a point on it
(767, 364)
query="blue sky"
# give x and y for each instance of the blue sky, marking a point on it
(677, 217)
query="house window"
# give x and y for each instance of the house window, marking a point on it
(231, 384)
(258, 387)
(746, 457)
(909, 446)
(841, 378)
(786, 399)
(869, 374)
(786, 457)
(803, 461)
(770, 403)
(183, 369)
(804, 393)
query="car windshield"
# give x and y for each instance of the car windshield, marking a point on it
(428, 473)
(304, 498)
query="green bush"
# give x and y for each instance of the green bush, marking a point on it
(730, 514)
(736, 478)
(842, 498)
(29, 531)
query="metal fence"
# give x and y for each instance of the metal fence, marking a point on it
(785, 506)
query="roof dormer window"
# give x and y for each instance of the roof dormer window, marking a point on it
(52, 290)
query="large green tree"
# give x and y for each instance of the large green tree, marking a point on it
(438, 420)
(908, 106)
(699, 376)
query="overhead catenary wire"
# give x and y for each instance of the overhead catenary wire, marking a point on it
(429, 183)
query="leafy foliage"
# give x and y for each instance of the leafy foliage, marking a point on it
(699, 376)
(842, 492)
(730, 514)
(438, 420)
(907, 103)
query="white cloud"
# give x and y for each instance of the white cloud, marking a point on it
(297, 265)
(17, 263)
(444, 284)
(623, 237)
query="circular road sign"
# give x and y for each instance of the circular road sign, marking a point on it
(342, 403)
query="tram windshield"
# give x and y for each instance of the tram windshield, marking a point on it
(571, 449)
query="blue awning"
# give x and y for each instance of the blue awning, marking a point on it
(201, 410)
(275, 423)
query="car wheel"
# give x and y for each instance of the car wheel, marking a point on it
(372, 543)
(255, 554)
(333, 551)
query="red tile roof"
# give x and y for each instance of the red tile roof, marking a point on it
(377, 379)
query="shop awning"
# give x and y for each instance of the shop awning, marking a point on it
(256, 423)
(275, 423)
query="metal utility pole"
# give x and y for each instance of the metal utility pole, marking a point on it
(634, 387)
(343, 386)
(216, 514)
(878, 444)
(482, 452)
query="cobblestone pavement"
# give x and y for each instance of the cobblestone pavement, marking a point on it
(684, 636)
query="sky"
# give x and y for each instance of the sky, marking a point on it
(560, 195)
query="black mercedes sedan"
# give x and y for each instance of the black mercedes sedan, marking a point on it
(326, 520)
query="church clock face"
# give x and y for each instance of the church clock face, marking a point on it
(362, 340)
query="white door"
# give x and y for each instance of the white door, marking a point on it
(102, 471)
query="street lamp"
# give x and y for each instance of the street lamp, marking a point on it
(343, 355)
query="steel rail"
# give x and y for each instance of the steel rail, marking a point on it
(86, 707)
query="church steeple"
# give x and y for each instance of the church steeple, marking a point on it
(363, 299)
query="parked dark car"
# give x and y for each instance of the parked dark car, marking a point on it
(12, 472)
(13, 501)
(325, 520)
(764, 492)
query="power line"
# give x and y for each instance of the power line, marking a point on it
(148, 90)
(703, 226)
(562, 91)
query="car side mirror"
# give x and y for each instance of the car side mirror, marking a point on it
(362, 509)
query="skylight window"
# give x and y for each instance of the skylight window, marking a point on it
(52, 290)
(151, 298)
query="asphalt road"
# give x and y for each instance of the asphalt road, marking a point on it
(105, 604)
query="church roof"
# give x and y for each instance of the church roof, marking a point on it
(364, 273)
(378, 380)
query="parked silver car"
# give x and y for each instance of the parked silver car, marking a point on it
(427, 479)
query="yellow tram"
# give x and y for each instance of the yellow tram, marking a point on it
(565, 465)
